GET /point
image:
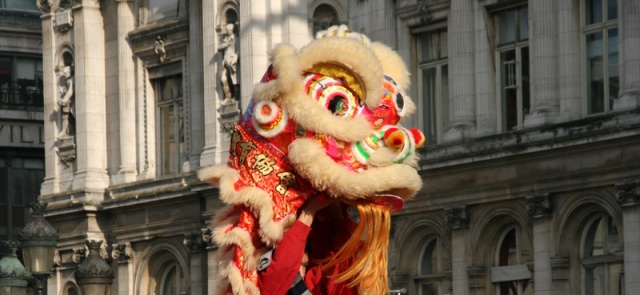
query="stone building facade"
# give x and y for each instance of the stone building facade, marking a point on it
(530, 108)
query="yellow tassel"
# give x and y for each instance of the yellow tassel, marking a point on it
(368, 271)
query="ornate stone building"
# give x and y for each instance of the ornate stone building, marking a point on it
(531, 110)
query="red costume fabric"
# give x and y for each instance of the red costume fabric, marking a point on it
(278, 277)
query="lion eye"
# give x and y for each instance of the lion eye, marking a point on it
(338, 105)
(399, 102)
(332, 94)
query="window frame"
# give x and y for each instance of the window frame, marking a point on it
(439, 115)
(518, 236)
(588, 29)
(605, 260)
(177, 107)
(438, 279)
(517, 46)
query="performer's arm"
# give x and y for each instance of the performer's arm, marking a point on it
(277, 278)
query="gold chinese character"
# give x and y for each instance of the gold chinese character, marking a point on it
(287, 180)
(235, 138)
(246, 147)
(264, 164)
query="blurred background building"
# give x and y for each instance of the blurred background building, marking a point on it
(531, 111)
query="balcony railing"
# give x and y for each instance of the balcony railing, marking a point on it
(21, 95)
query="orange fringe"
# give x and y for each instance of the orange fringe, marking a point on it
(368, 270)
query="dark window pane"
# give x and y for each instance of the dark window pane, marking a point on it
(526, 91)
(594, 11)
(614, 78)
(524, 24)
(4, 220)
(508, 255)
(429, 99)
(595, 72)
(612, 9)
(507, 27)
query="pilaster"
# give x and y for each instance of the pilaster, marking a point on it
(52, 161)
(196, 245)
(91, 174)
(540, 208)
(458, 220)
(544, 63)
(629, 31)
(196, 82)
(123, 256)
(628, 195)
(485, 83)
(126, 92)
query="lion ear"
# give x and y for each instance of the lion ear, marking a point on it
(354, 57)
(286, 72)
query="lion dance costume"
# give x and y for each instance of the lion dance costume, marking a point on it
(323, 120)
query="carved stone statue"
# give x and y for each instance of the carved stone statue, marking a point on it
(229, 73)
(67, 102)
(159, 49)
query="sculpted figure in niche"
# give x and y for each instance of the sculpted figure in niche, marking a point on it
(66, 101)
(229, 73)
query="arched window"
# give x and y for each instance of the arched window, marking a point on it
(511, 273)
(602, 257)
(173, 281)
(432, 278)
(323, 17)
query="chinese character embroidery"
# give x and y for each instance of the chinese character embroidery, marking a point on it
(263, 164)
(287, 180)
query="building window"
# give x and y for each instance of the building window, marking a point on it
(512, 54)
(602, 257)
(20, 179)
(18, 4)
(171, 143)
(21, 82)
(323, 17)
(511, 274)
(600, 33)
(173, 281)
(434, 89)
(432, 279)
(162, 9)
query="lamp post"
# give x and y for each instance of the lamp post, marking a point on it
(94, 275)
(38, 245)
(13, 275)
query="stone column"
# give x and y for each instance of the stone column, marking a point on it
(208, 156)
(569, 74)
(543, 40)
(196, 82)
(91, 174)
(126, 93)
(629, 36)
(539, 208)
(461, 61)
(485, 78)
(629, 196)
(123, 255)
(458, 220)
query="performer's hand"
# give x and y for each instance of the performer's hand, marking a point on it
(313, 205)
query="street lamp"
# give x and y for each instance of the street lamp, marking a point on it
(94, 275)
(13, 275)
(38, 245)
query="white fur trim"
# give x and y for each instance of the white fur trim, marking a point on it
(312, 163)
